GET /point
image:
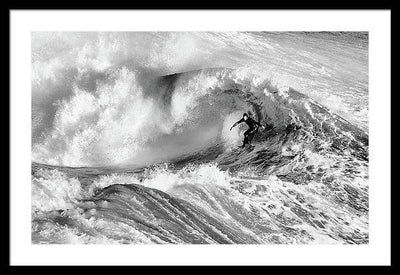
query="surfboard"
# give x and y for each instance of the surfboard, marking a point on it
(250, 147)
(247, 147)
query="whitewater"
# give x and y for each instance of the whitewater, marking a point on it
(131, 139)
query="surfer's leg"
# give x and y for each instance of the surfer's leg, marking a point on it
(246, 137)
(250, 136)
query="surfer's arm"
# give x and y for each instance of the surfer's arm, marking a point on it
(259, 125)
(236, 123)
(256, 123)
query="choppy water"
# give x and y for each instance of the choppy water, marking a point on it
(131, 139)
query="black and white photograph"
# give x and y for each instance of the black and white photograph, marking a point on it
(200, 137)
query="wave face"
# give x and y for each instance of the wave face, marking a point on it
(135, 157)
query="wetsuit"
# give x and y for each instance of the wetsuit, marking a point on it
(251, 132)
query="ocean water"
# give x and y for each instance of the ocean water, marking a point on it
(131, 139)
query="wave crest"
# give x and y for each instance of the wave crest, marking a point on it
(123, 122)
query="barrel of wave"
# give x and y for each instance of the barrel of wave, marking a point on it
(231, 138)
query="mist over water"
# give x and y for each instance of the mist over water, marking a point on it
(147, 117)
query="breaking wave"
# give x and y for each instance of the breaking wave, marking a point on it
(131, 140)
(124, 123)
(166, 168)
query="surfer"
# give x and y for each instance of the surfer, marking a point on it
(251, 132)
